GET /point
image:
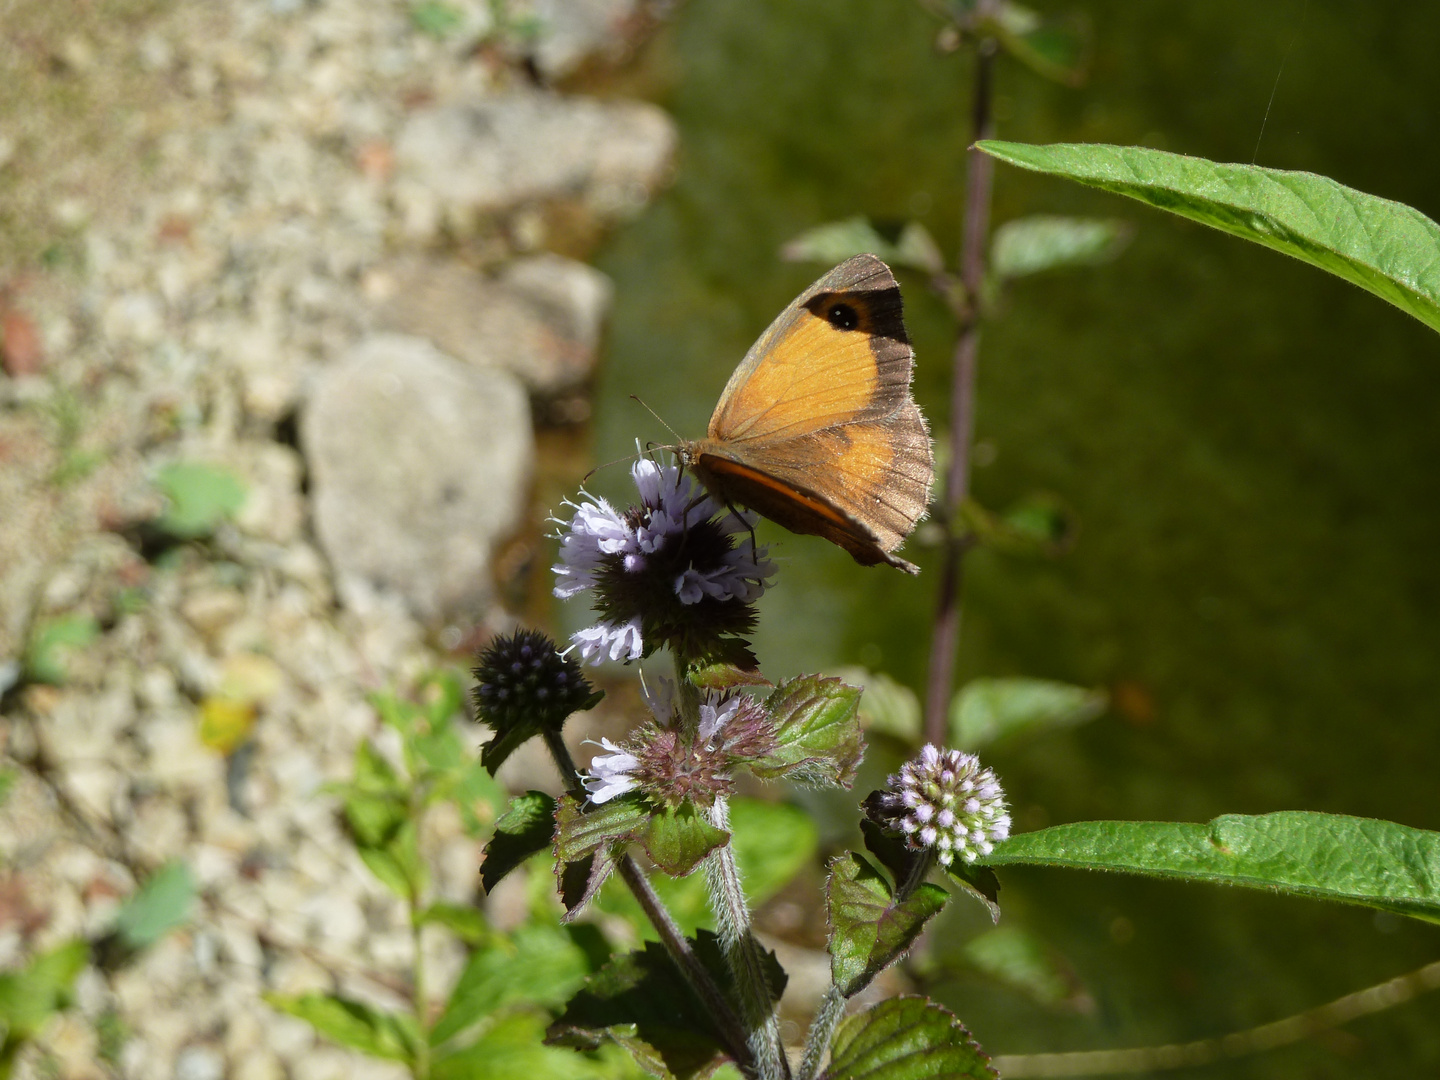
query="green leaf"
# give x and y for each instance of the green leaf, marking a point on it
(466, 923)
(525, 829)
(772, 843)
(350, 1023)
(886, 706)
(396, 861)
(31, 995)
(894, 854)
(480, 798)
(49, 643)
(678, 839)
(7, 782)
(1376, 864)
(905, 1038)
(505, 743)
(581, 880)
(200, 497)
(538, 965)
(1020, 960)
(1038, 525)
(639, 1000)
(1382, 246)
(580, 830)
(512, 1047)
(986, 710)
(978, 882)
(436, 19)
(1031, 244)
(1053, 50)
(159, 906)
(868, 930)
(839, 240)
(387, 869)
(817, 732)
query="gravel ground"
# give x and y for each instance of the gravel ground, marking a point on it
(301, 246)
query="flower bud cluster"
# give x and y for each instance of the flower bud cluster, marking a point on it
(522, 678)
(946, 801)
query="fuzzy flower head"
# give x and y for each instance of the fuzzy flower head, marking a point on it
(946, 801)
(671, 570)
(670, 766)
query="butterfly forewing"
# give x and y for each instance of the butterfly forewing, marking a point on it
(838, 354)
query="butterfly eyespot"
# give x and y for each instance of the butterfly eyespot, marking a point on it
(843, 317)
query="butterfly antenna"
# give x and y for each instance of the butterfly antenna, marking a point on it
(630, 457)
(657, 416)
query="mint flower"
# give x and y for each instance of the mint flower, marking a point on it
(672, 767)
(946, 801)
(668, 571)
(610, 774)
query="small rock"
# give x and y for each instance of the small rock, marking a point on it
(211, 609)
(94, 786)
(541, 319)
(199, 1063)
(274, 508)
(574, 29)
(420, 465)
(258, 1065)
(495, 153)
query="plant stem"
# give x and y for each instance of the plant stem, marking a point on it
(743, 954)
(827, 1019)
(979, 174)
(421, 1067)
(832, 1007)
(671, 936)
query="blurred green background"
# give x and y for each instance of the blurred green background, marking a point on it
(1249, 444)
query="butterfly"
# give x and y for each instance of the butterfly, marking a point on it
(817, 429)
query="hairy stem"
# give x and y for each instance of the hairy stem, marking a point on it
(742, 953)
(979, 173)
(832, 1007)
(671, 936)
(827, 1019)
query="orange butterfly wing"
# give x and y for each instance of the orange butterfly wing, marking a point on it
(816, 428)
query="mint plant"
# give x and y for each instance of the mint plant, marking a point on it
(678, 572)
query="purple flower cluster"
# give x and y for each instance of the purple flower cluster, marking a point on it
(672, 767)
(666, 569)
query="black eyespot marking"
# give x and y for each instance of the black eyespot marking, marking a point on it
(843, 316)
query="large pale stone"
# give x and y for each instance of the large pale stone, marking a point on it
(419, 465)
(494, 153)
(540, 318)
